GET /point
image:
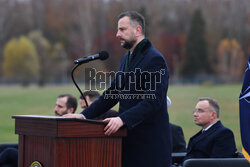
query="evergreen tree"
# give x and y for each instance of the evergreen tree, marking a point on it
(196, 61)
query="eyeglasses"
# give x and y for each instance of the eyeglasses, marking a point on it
(199, 111)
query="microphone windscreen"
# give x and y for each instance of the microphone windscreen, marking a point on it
(104, 55)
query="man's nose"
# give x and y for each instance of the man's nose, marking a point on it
(118, 34)
(195, 114)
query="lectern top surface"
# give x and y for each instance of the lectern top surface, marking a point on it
(55, 118)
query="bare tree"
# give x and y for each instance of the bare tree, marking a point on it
(85, 22)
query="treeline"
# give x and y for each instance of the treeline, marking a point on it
(201, 40)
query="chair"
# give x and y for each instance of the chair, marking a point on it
(216, 162)
(239, 155)
(177, 158)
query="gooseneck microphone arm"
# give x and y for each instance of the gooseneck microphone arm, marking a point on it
(103, 55)
(72, 76)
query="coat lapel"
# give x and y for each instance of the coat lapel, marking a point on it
(138, 58)
(120, 77)
(139, 54)
(123, 63)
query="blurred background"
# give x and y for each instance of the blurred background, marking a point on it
(201, 40)
(205, 43)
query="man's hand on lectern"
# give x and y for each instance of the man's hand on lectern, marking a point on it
(113, 125)
(74, 116)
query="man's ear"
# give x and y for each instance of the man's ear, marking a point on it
(71, 111)
(138, 30)
(214, 114)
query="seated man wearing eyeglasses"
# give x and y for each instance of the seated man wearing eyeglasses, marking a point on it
(213, 140)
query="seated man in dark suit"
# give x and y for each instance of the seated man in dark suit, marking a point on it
(91, 96)
(8, 157)
(178, 140)
(65, 103)
(214, 140)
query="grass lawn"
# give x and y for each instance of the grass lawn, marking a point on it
(16, 100)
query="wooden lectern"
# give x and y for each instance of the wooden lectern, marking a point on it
(66, 142)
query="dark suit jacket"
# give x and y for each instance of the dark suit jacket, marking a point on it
(216, 142)
(9, 157)
(148, 142)
(178, 141)
(108, 114)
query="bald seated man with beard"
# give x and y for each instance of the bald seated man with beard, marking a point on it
(65, 104)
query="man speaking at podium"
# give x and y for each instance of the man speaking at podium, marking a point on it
(140, 87)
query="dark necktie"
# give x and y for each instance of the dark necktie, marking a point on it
(128, 62)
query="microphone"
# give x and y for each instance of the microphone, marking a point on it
(103, 55)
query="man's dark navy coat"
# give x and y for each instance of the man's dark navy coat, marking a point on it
(148, 141)
(178, 140)
(216, 142)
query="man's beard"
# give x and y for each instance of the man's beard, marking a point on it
(128, 44)
(61, 114)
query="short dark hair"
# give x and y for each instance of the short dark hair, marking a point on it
(92, 94)
(135, 18)
(71, 101)
(212, 103)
